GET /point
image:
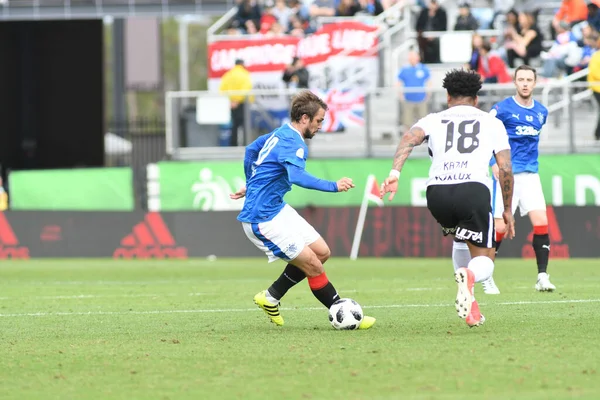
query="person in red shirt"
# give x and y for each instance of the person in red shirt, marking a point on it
(491, 66)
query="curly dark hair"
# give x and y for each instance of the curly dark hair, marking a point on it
(462, 83)
(306, 102)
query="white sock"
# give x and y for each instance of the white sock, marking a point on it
(270, 298)
(482, 267)
(460, 255)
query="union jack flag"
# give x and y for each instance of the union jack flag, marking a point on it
(346, 109)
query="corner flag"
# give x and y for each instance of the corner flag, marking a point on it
(371, 195)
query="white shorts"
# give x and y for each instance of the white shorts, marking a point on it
(527, 195)
(284, 236)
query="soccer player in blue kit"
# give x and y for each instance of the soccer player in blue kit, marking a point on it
(523, 118)
(272, 164)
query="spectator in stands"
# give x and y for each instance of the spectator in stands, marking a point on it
(268, 18)
(570, 11)
(502, 8)
(371, 7)
(322, 8)
(526, 43)
(282, 12)
(248, 16)
(296, 75)
(564, 53)
(237, 78)
(589, 48)
(491, 66)
(431, 19)
(414, 75)
(465, 20)
(476, 43)
(299, 19)
(511, 23)
(593, 18)
(594, 81)
(347, 8)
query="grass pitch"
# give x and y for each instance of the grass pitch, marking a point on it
(102, 329)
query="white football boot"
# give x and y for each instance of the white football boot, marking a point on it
(489, 286)
(543, 283)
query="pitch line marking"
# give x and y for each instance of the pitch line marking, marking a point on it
(226, 310)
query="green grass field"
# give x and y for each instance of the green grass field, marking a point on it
(102, 329)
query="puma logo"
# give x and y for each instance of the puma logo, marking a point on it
(546, 246)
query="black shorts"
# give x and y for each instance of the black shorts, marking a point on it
(465, 211)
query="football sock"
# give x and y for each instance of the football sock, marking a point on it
(541, 246)
(499, 237)
(482, 267)
(290, 276)
(460, 255)
(323, 290)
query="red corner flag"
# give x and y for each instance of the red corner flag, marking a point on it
(372, 191)
(371, 194)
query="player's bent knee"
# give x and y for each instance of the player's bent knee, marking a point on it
(321, 250)
(538, 218)
(308, 262)
(500, 225)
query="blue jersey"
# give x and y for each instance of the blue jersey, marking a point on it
(523, 125)
(267, 179)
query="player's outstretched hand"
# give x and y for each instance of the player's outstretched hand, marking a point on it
(389, 185)
(509, 220)
(495, 171)
(344, 184)
(239, 194)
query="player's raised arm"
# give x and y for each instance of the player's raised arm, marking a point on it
(414, 137)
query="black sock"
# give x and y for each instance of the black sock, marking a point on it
(323, 290)
(290, 276)
(541, 246)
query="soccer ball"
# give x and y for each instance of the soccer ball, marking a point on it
(345, 314)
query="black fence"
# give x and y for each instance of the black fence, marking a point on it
(135, 143)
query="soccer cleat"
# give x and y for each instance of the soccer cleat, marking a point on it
(543, 283)
(465, 279)
(489, 286)
(271, 309)
(475, 318)
(367, 322)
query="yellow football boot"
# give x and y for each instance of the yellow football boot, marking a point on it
(272, 310)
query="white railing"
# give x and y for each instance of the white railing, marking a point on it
(370, 140)
(564, 84)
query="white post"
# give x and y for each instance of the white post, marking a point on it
(184, 78)
(362, 215)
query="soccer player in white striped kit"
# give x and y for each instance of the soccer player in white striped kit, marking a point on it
(461, 141)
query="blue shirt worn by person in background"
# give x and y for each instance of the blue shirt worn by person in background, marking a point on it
(414, 77)
(523, 125)
(274, 162)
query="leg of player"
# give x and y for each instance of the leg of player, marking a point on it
(460, 254)
(541, 247)
(479, 269)
(500, 228)
(290, 277)
(293, 275)
(489, 285)
(322, 251)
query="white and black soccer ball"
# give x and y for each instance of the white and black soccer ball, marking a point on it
(345, 314)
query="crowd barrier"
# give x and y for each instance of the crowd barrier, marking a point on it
(388, 232)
